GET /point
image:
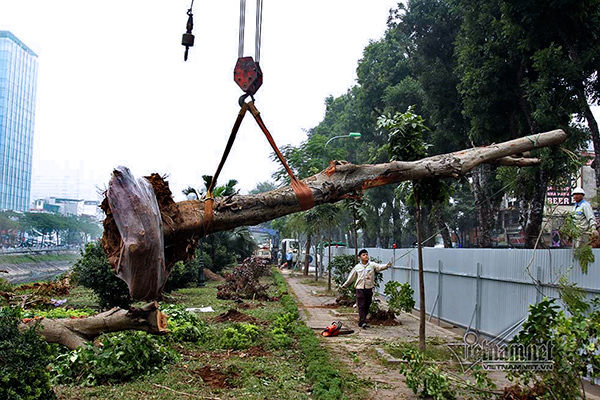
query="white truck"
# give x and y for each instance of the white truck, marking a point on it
(288, 249)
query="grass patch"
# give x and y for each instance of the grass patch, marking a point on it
(81, 297)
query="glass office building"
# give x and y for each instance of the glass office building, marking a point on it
(18, 84)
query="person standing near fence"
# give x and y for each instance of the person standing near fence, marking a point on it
(583, 217)
(363, 274)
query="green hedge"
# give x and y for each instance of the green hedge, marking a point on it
(327, 380)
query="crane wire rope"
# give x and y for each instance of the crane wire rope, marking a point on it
(242, 28)
(258, 35)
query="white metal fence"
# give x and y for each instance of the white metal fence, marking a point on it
(485, 290)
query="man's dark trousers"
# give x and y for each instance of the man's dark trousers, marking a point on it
(363, 302)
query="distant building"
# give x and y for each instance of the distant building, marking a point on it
(62, 206)
(18, 86)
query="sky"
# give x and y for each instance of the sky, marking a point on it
(113, 88)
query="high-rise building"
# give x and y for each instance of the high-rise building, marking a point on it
(18, 86)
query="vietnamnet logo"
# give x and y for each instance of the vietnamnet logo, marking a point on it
(498, 355)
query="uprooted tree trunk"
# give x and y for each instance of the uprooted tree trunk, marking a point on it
(74, 333)
(133, 237)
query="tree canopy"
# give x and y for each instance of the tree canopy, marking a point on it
(477, 73)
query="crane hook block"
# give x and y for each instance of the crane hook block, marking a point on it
(248, 75)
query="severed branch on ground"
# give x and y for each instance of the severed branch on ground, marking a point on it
(75, 332)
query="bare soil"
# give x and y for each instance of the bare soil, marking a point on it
(233, 315)
(249, 306)
(216, 378)
(211, 276)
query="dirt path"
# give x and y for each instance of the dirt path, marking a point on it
(359, 351)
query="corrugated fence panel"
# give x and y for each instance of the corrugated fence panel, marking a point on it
(488, 290)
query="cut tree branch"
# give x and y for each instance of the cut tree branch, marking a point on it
(75, 332)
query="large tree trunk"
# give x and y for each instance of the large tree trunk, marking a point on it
(74, 333)
(182, 223)
(593, 125)
(486, 211)
(536, 211)
(397, 226)
(441, 225)
(307, 255)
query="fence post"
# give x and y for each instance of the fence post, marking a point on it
(538, 284)
(394, 263)
(410, 275)
(478, 299)
(439, 316)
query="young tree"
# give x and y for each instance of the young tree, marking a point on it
(407, 144)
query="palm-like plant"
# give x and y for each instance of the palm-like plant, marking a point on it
(238, 240)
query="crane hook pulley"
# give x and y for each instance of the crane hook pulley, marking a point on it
(247, 73)
(188, 38)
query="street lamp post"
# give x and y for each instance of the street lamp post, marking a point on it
(356, 135)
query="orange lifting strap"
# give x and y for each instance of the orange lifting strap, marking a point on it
(303, 193)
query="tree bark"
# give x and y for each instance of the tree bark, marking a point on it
(183, 222)
(307, 255)
(536, 211)
(441, 225)
(485, 212)
(74, 333)
(593, 125)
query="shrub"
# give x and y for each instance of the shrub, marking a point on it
(183, 274)
(280, 339)
(281, 327)
(239, 336)
(24, 357)
(93, 271)
(572, 342)
(327, 380)
(120, 357)
(58, 312)
(428, 379)
(400, 296)
(5, 285)
(185, 326)
(285, 321)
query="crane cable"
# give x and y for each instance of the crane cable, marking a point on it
(248, 76)
(242, 29)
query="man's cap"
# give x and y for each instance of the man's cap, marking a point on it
(578, 190)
